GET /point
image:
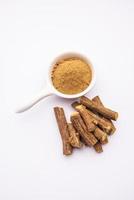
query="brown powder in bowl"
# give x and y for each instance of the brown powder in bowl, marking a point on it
(71, 76)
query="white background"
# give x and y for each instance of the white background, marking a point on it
(32, 33)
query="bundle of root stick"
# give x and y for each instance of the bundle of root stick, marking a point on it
(91, 124)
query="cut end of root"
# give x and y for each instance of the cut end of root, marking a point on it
(116, 116)
(74, 114)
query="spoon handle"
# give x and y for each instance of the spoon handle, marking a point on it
(41, 95)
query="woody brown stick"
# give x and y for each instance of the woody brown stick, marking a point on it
(99, 109)
(91, 127)
(101, 123)
(81, 128)
(63, 128)
(101, 136)
(106, 127)
(88, 119)
(99, 102)
(74, 137)
(98, 147)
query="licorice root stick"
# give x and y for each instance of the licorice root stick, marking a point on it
(74, 136)
(101, 122)
(81, 128)
(99, 102)
(63, 128)
(97, 108)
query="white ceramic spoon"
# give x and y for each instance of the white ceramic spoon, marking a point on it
(50, 90)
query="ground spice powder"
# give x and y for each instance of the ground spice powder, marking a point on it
(71, 76)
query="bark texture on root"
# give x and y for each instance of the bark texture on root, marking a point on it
(63, 128)
(106, 112)
(99, 102)
(81, 128)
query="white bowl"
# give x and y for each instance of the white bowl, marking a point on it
(65, 56)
